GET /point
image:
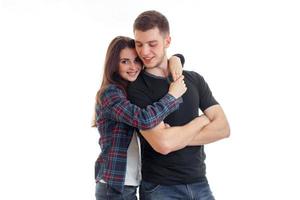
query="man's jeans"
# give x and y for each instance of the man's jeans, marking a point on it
(194, 191)
(104, 192)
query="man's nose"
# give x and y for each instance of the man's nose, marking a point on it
(145, 50)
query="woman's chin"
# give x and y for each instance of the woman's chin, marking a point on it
(132, 78)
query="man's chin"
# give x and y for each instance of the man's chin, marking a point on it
(150, 66)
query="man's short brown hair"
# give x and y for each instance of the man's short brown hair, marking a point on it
(151, 19)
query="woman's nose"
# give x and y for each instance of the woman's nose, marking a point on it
(134, 65)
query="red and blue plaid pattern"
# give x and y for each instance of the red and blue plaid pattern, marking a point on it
(116, 120)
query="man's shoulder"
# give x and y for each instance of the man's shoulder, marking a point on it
(192, 75)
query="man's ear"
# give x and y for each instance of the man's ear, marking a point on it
(167, 41)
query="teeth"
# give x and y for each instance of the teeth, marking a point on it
(132, 73)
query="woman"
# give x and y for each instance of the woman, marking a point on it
(116, 118)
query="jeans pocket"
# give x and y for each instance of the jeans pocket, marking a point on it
(148, 187)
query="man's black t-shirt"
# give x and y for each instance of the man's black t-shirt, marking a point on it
(186, 165)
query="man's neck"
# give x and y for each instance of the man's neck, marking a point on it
(162, 70)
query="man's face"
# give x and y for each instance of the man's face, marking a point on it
(151, 46)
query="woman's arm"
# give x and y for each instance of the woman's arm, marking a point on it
(116, 106)
(175, 64)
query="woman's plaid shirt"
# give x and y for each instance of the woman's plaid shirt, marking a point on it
(116, 118)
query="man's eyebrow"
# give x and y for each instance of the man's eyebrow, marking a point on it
(151, 41)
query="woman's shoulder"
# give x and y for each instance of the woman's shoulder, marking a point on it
(112, 90)
(110, 94)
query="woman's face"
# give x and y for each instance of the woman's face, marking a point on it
(130, 66)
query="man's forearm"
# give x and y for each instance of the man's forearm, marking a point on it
(216, 130)
(165, 140)
(210, 133)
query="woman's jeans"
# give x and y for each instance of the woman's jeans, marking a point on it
(105, 192)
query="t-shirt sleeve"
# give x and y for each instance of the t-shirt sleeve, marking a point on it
(206, 98)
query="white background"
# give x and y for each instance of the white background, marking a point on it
(51, 56)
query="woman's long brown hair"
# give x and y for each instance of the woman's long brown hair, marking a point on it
(111, 67)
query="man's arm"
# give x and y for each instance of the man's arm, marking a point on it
(217, 129)
(208, 128)
(167, 139)
(164, 141)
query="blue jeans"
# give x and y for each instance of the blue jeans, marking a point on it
(105, 192)
(194, 191)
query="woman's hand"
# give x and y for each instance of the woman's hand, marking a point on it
(178, 87)
(175, 67)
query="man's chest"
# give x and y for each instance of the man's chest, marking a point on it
(187, 111)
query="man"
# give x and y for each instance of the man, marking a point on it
(172, 164)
